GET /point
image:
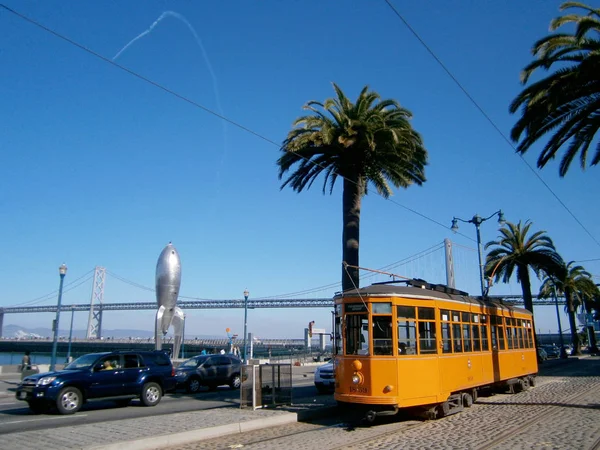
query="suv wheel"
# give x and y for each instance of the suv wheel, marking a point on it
(235, 382)
(151, 394)
(69, 400)
(193, 385)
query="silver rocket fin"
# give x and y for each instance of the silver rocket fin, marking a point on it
(178, 324)
(158, 335)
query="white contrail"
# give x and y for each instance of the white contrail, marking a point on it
(206, 60)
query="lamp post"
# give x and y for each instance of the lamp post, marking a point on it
(183, 338)
(62, 270)
(563, 353)
(70, 335)
(246, 294)
(477, 221)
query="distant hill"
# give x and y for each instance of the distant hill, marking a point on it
(18, 331)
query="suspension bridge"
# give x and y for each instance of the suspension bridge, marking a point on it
(441, 264)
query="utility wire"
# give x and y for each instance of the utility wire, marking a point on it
(191, 102)
(52, 294)
(488, 118)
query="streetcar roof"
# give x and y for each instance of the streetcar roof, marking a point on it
(427, 292)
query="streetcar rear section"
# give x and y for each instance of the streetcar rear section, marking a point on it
(427, 347)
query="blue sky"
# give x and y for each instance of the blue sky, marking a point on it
(99, 168)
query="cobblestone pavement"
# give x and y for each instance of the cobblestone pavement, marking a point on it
(561, 412)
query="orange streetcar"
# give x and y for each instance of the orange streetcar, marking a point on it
(428, 346)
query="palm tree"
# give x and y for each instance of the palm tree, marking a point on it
(577, 286)
(370, 141)
(567, 101)
(515, 250)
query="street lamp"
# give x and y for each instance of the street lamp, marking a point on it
(477, 221)
(183, 338)
(62, 270)
(70, 335)
(246, 294)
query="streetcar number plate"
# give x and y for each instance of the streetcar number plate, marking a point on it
(358, 390)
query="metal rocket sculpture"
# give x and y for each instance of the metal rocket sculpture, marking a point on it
(168, 280)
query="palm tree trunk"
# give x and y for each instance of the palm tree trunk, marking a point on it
(572, 323)
(350, 236)
(523, 274)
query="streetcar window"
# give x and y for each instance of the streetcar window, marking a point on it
(357, 334)
(338, 332)
(466, 328)
(521, 340)
(405, 312)
(427, 337)
(476, 338)
(484, 338)
(382, 308)
(407, 337)
(446, 338)
(445, 315)
(509, 337)
(466, 317)
(494, 337)
(500, 332)
(457, 341)
(426, 313)
(382, 335)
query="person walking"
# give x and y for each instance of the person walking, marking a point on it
(26, 362)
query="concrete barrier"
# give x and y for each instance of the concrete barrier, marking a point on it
(10, 369)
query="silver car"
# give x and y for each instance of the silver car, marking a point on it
(325, 378)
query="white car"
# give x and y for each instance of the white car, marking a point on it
(325, 378)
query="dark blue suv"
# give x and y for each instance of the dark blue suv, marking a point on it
(120, 376)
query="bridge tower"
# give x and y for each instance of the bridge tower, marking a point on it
(449, 263)
(94, 329)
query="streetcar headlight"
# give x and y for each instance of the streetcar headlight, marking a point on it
(358, 378)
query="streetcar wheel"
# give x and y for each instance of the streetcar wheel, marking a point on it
(443, 409)
(370, 417)
(467, 400)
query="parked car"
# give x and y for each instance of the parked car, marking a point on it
(119, 376)
(542, 355)
(210, 371)
(552, 351)
(325, 378)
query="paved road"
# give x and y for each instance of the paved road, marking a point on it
(15, 416)
(561, 412)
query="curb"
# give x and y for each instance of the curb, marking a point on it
(188, 437)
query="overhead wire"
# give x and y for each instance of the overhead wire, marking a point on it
(194, 103)
(256, 134)
(487, 117)
(52, 295)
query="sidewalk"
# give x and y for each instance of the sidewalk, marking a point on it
(158, 431)
(172, 429)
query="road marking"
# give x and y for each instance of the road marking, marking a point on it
(11, 403)
(45, 418)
